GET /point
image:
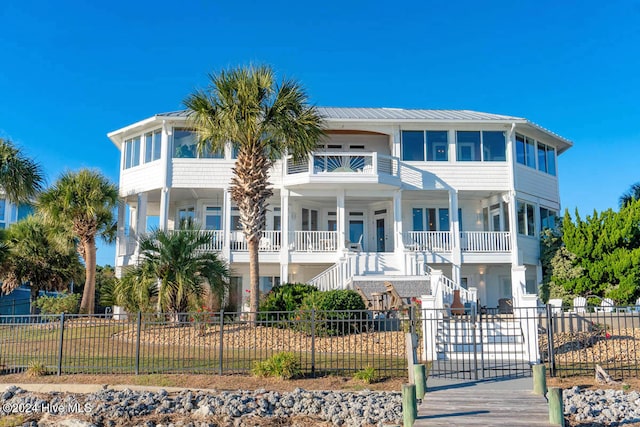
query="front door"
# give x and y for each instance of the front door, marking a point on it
(380, 220)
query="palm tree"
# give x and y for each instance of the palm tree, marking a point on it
(263, 120)
(20, 177)
(183, 272)
(632, 194)
(83, 203)
(34, 256)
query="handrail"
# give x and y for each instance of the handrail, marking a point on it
(338, 276)
(485, 241)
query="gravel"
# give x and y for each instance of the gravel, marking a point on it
(604, 407)
(199, 408)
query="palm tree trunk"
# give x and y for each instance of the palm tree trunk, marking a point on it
(35, 291)
(254, 279)
(87, 306)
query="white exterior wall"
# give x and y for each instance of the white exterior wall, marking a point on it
(537, 183)
(458, 175)
(141, 178)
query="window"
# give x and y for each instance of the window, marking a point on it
(548, 218)
(277, 224)
(332, 223)
(186, 216)
(494, 148)
(213, 218)
(267, 283)
(131, 152)
(526, 219)
(412, 145)
(443, 219)
(546, 159)
(468, 143)
(235, 218)
(23, 211)
(152, 146)
(356, 226)
(309, 219)
(437, 145)
(526, 151)
(3, 207)
(185, 146)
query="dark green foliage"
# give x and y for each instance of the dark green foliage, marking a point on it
(284, 365)
(67, 303)
(328, 311)
(286, 297)
(606, 247)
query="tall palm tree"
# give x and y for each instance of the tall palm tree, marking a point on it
(263, 120)
(20, 177)
(34, 256)
(183, 271)
(633, 193)
(83, 202)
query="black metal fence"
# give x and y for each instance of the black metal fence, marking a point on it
(474, 345)
(203, 342)
(574, 342)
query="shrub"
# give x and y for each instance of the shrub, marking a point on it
(36, 369)
(367, 375)
(287, 297)
(67, 303)
(283, 365)
(337, 312)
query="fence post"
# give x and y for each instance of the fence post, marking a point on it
(221, 346)
(138, 332)
(539, 379)
(556, 406)
(409, 404)
(313, 342)
(550, 345)
(420, 377)
(60, 344)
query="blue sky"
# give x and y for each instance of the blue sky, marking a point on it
(71, 71)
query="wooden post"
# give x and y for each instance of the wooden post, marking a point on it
(539, 379)
(409, 404)
(419, 376)
(556, 406)
(411, 342)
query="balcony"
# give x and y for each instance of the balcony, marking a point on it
(269, 242)
(314, 241)
(429, 241)
(328, 167)
(470, 241)
(485, 241)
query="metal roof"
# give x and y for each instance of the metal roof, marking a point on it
(345, 113)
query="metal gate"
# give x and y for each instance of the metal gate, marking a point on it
(479, 345)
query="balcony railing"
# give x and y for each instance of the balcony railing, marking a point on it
(485, 241)
(269, 242)
(358, 163)
(432, 241)
(314, 241)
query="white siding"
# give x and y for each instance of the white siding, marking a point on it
(201, 173)
(536, 183)
(378, 143)
(461, 176)
(141, 178)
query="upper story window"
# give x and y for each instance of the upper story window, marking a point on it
(430, 219)
(475, 146)
(185, 146)
(526, 219)
(526, 149)
(186, 217)
(152, 145)
(131, 152)
(3, 216)
(432, 145)
(213, 218)
(548, 218)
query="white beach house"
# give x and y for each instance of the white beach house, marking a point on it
(391, 195)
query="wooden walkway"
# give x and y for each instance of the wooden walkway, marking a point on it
(496, 403)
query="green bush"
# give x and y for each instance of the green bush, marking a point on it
(286, 298)
(67, 303)
(367, 375)
(282, 365)
(329, 310)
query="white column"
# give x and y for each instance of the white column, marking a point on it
(456, 256)
(518, 283)
(527, 312)
(226, 223)
(121, 240)
(396, 149)
(141, 213)
(398, 243)
(284, 236)
(513, 229)
(341, 220)
(429, 327)
(164, 209)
